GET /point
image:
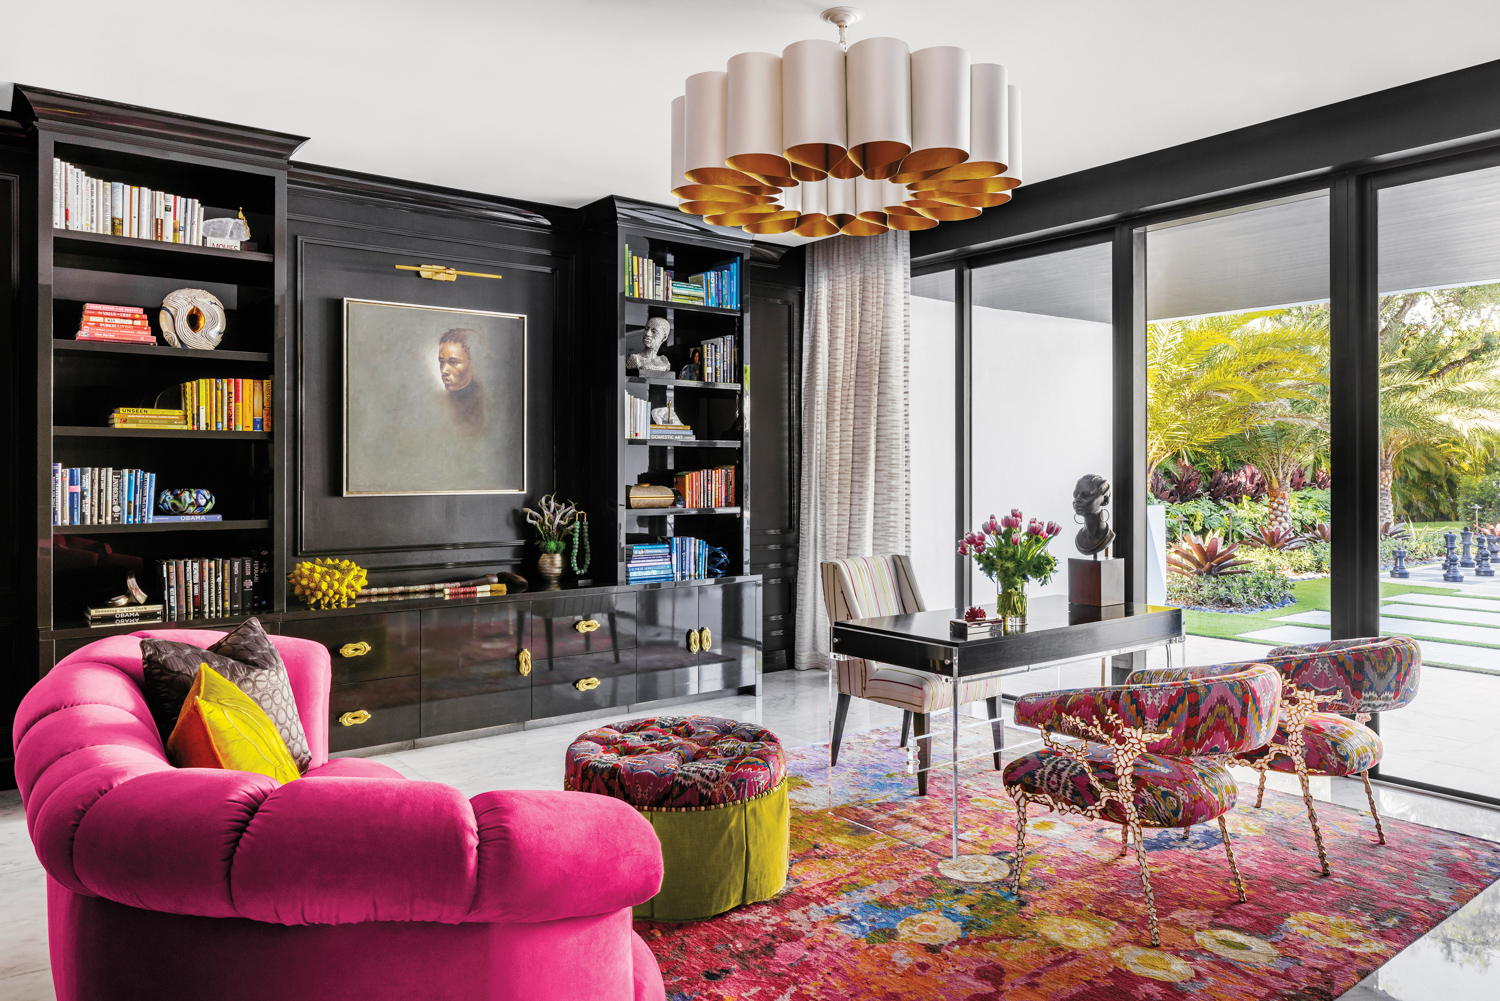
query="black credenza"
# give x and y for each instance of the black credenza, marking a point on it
(404, 670)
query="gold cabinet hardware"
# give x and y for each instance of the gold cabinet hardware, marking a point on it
(355, 718)
(705, 638)
(523, 662)
(692, 640)
(354, 649)
(586, 684)
(587, 625)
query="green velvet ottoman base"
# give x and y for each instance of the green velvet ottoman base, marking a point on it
(720, 857)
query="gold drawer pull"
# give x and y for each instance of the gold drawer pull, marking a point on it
(705, 638)
(523, 662)
(587, 625)
(586, 684)
(355, 718)
(693, 641)
(354, 650)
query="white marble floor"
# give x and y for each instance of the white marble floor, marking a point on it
(1457, 961)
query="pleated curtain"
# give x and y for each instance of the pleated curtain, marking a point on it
(856, 497)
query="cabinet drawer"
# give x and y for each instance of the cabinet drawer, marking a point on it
(574, 626)
(365, 647)
(554, 684)
(393, 705)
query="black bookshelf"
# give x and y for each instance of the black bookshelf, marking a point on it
(79, 383)
(618, 229)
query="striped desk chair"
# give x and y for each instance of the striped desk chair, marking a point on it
(863, 587)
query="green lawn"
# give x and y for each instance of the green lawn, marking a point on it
(1312, 595)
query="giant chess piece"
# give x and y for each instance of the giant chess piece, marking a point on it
(1482, 566)
(1450, 562)
(1399, 569)
(1090, 501)
(1468, 540)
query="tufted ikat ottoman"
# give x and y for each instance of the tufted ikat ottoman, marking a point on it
(713, 789)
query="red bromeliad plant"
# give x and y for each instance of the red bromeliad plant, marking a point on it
(1010, 557)
(1274, 538)
(1210, 557)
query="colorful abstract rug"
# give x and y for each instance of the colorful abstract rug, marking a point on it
(869, 915)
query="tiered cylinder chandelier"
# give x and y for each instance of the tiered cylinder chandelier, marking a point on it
(857, 139)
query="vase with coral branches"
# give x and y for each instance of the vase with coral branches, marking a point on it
(554, 521)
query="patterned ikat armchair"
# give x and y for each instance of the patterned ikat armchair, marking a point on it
(1151, 756)
(1320, 681)
(863, 587)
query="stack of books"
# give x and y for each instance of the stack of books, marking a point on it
(719, 286)
(679, 557)
(637, 417)
(707, 487)
(119, 615)
(227, 404)
(94, 495)
(671, 431)
(87, 204)
(115, 323)
(148, 417)
(721, 359)
(212, 588)
(649, 562)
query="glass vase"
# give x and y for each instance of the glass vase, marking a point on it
(1010, 605)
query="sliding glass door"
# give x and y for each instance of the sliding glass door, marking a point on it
(1439, 336)
(1237, 434)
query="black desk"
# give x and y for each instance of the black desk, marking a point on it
(1055, 632)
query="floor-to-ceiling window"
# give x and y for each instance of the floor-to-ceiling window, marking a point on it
(1439, 337)
(1237, 431)
(1041, 389)
(932, 401)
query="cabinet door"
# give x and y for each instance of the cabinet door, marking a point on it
(471, 667)
(365, 647)
(665, 666)
(729, 620)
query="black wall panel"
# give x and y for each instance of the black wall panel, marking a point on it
(346, 243)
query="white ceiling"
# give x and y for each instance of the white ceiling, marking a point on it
(564, 101)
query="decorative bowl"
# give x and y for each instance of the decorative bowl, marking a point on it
(186, 500)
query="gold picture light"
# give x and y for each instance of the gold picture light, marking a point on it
(440, 273)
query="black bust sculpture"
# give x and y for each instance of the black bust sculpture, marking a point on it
(1090, 501)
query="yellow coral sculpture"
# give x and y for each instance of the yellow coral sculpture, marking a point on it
(327, 583)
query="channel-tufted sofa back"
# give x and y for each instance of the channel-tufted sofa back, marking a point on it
(350, 842)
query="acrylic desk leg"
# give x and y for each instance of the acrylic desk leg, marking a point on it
(954, 709)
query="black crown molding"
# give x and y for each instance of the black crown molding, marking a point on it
(71, 114)
(1415, 119)
(619, 210)
(376, 189)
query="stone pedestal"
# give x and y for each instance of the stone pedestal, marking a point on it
(1096, 582)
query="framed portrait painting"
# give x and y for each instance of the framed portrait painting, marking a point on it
(434, 400)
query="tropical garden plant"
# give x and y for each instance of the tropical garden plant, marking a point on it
(1210, 557)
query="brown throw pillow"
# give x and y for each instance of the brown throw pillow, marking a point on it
(245, 657)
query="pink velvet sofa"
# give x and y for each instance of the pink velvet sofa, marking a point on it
(352, 882)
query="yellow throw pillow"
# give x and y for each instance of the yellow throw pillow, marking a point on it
(222, 727)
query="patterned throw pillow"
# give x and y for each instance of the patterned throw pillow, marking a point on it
(246, 658)
(222, 727)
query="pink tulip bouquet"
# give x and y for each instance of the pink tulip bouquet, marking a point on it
(1010, 557)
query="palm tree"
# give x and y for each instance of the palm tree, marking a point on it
(1214, 379)
(1439, 384)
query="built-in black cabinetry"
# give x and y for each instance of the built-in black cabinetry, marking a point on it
(475, 670)
(667, 657)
